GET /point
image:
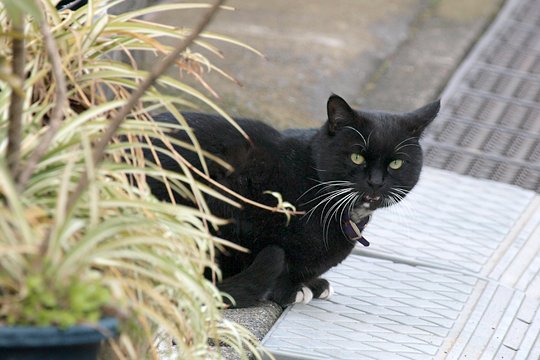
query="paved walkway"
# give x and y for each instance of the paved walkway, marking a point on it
(453, 272)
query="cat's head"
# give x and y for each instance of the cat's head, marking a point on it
(375, 154)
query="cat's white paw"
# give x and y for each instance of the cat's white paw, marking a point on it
(327, 294)
(303, 296)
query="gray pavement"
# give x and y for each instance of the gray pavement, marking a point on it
(419, 69)
(489, 124)
(392, 54)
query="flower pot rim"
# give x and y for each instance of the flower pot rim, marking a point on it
(39, 336)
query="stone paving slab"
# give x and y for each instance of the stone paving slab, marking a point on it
(452, 221)
(453, 279)
(489, 124)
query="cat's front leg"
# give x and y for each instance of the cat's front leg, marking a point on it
(320, 288)
(286, 292)
(303, 295)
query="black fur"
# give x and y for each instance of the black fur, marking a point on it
(283, 259)
(257, 279)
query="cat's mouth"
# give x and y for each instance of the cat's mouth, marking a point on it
(371, 202)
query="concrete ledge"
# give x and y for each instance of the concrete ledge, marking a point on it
(257, 319)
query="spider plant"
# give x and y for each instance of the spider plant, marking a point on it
(81, 236)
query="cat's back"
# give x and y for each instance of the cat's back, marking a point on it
(260, 151)
(215, 128)
(300, 134)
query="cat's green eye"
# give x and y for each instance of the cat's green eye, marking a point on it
(395, 164)
(357, 159)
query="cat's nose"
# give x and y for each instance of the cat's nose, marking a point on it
(375, 185)
(375, 180)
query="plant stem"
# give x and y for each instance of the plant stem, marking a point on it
(17, 101)
(237, 195)
(57, 113)
(99, 150)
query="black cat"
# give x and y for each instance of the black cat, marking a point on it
(355, 163)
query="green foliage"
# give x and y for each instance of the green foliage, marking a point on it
(117, 245)
(18, 8)
(286, 207)
(63, 305)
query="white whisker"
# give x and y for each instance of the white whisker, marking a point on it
(326, 200)
(403, 154)
(400, 146)
(342, 192)
(326, 194)
(359, 133)
(369, 136)
(325, 185)
(332, 213)
(404, 210)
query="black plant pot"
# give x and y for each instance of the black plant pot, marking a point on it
(79, 342)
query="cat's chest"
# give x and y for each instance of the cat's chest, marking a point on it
(317, 247)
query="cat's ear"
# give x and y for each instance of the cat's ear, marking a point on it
(418, 120)
(339, 113)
